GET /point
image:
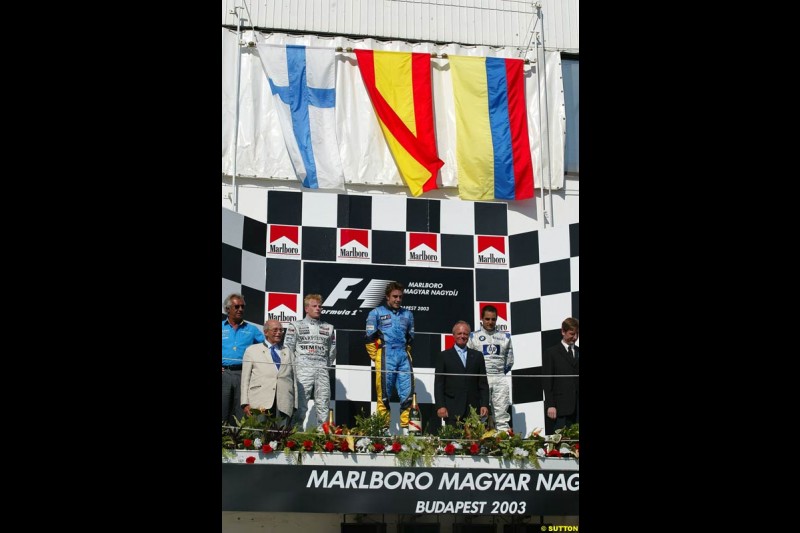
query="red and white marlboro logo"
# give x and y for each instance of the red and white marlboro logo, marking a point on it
(353, 245)
(491, 251)
(422, 248)
(284, 240)
(282, 307)
(503, 320)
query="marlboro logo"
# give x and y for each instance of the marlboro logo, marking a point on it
(282, 307)
(354, 243)
(423, 247)
(491, 250)
(284, 240)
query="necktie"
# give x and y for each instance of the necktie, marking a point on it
(463, 357)
(275, 357)
(572, 351)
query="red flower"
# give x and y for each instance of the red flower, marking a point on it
(343, 446)
(577, 445)
(308, 445)
(247, 443)
(450, 449)
(396, 447)
(378, 447)
(266, 448)
(554, 453)
(474, 449)
(510, 432)
(250, 460)
(338, 431)
(291, 444)
(326, 428)
(329, 446)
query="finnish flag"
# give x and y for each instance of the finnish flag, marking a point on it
(303, 83)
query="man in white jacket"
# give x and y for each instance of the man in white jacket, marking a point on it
(269, 381)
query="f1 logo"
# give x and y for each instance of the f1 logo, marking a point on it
(371, 296)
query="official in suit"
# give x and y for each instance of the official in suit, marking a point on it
(455, 393)
(269, 381)
(561, 393)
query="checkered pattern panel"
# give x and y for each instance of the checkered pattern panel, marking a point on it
(533, 272)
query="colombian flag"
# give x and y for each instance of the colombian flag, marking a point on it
(492, 148)
(399, 86)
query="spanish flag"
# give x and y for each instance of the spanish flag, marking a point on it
(492, 146)
(399, 86)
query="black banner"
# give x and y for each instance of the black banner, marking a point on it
(349, 489)
(438, 297)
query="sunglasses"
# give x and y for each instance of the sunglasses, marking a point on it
(238, 306)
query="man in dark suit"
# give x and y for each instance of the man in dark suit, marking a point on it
(561, 393)
(454, 394)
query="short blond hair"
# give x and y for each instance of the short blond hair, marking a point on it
(310, 297)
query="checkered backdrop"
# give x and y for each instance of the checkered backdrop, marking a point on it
(453, 256)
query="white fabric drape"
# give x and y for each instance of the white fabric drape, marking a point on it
(365, 157)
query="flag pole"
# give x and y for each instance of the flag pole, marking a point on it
(236, 116)
(546, 115)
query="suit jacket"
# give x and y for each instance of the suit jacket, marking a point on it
(561, 393)
(457, 393)
(262, 384)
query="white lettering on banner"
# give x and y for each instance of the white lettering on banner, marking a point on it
(416, 291)
(458, 481)
(357, 480)
(497, 507)
(501, 481)
(561, 482)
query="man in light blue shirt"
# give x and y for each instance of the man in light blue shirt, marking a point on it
(237, 335)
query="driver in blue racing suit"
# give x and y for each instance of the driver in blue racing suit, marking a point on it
(390, 331)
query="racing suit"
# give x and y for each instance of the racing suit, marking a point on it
(499, 357)
(314, 345)
(388, 341)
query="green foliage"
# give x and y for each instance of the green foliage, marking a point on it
(373, 425)
(448, 433)
(511, 447)
(417, 451)
(473, 427)
(258, 425)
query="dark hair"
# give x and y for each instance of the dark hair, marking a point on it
(569, 324)
(394, 286)
(490, 308)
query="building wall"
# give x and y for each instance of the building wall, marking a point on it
(483, 22)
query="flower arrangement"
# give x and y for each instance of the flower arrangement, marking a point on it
(469, 437)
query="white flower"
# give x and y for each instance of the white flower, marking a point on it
(520, 452)
(257, 443)
(565, 450)
(404, 447)
(456, 445)
(273, 444)
(363, 443)
(540, 452)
